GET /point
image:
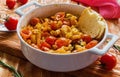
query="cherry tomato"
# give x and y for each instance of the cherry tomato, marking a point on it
(34, 21)
(11, 23)
(66, 22)
(91, 44)
(109, 61)
(60, 15)
(62, 42)
(45, 34)
(86, 38)
(53, 26)
(10, 3)
(23, 1)
(51, 40)
(25, 33)
(44, 46)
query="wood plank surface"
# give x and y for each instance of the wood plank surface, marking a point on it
(10, 52)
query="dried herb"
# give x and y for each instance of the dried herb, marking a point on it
(15, 72)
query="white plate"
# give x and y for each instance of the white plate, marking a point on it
(4, 29)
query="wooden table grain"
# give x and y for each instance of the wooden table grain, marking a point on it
(10, 53)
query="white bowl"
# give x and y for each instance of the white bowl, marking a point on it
(58, 62)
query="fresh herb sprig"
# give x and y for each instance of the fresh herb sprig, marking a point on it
(116, 47)
(15, 72)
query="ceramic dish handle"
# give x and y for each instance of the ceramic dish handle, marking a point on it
(98, 51)
(20, 9)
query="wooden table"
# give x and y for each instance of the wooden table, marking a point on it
(10, 53)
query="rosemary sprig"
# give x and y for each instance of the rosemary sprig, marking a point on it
(16, 73)
(116, 47)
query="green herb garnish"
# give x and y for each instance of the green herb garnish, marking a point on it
(116, 47)
(15, 72)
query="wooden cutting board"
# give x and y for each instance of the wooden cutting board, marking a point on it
(10, 52)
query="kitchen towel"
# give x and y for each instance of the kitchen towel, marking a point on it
(109, 9)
